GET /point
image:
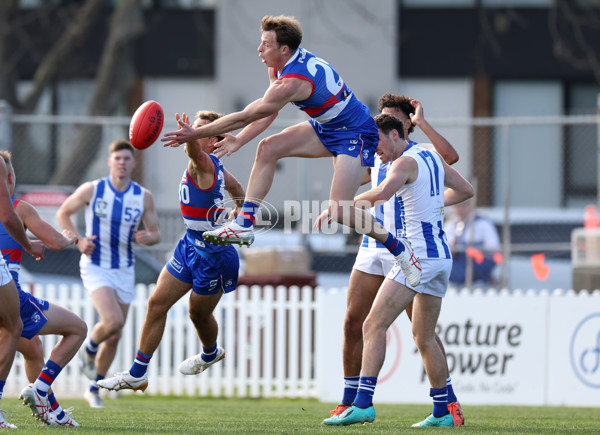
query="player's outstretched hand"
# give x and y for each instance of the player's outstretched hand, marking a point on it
(227, 146)
(181, 136)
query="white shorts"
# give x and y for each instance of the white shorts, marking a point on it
(5, 276)
(122, 281)
(435, 274)
(374, 261)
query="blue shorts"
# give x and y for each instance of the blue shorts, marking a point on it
(208, 272)
(32, 314)
(361, 142)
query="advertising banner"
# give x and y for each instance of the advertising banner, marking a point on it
(502, 349)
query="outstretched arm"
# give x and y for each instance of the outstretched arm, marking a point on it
(42, 229)
(281, 92)
(11, 220)
(439, 142)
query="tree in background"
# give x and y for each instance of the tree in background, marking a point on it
(115, 76)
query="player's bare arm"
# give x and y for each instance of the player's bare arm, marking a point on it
(403, 171)
(200, 166)
(459, 189)
(231, 143)
(79, 199)
(150, 235)
(439, 142)
(235, 189)
(11, 221)
(281, 92)
(42, 229)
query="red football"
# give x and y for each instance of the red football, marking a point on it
(146, 125)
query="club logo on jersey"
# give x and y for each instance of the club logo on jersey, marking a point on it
(365, 154)
(100, 208)
(36, 318)
(228, 283)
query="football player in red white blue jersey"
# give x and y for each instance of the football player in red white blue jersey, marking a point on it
(114, 208)
(208, 270)
(41, 317)
(10, 320)
(340, 126)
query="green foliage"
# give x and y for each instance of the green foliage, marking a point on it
(142, 414)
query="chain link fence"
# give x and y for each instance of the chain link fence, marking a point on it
(533, 178)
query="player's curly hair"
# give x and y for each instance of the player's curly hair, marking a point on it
(398, 102)
(287, 29)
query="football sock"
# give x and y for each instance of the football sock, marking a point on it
(91, 347)
(440, 401)
(350, 389)
(393, 245)
(140, 364)
(94, 384)
(55, 406)
(209, 354)
(47, 376)
(247, 214)
(366, 389)
(451, 395)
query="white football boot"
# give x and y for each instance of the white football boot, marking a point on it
(230, 233)
(410, 265)
(124, 381)
(196, 365)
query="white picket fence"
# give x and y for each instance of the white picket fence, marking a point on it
(268, 334)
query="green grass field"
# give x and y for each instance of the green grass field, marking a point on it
(139, 414)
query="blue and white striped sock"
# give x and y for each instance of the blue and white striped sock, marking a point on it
(440, 401)
(451, 396)
(350, 389)
(366, 389)
(209, 354)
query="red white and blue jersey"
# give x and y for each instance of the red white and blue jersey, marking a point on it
(331, 103)
(12, 252)
(202, 208)
(112, 216)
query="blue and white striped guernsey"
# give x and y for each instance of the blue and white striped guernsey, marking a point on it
(112, 216)
(385, 213)
(421, 205)
(417, 209)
